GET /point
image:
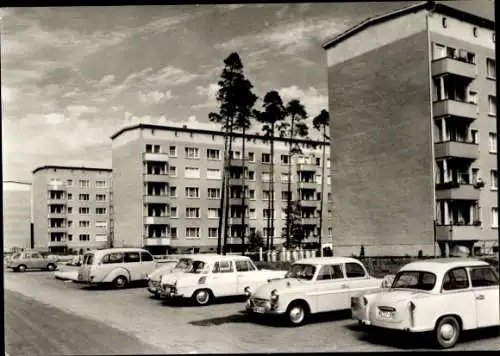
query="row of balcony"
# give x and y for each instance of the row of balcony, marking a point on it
(165, 220)
(166, 241)
(464, 232)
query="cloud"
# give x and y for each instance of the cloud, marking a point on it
(54, 118)
(106, 81)
(75, 111)
(156, 96)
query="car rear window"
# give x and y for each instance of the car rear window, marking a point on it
(88, 259)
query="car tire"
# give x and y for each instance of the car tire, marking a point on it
(51, 267)
(202, 297)
(21, 268)
(120, 282)
(297, 313)
(447, 332)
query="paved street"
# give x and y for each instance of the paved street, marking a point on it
(129, 321)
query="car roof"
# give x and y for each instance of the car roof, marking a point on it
(118, 249)
(441, 265)
(215, 257)
(327, 260)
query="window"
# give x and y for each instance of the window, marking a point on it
(213, 232)
(100, 184)
(100, 197)
(439, 51)
(330, 232)
(100, 211)
(84, 223)
(213, 173)
(414, 280)
(285, 159)
(173, 232)
(192, 152)
(473, 97)
(266, 177)
(172, 171)
(115, 257)
(149, 148)
(483, 277)
(244, 266)
(70, 210)
(213, 154)
(173, 211)
(191, 172)
(84, 183)
(493, 142)
(266, 195)
(132, 257)
(251, 156)
(172, 151)
(70, 223)
(475, 136)
(70, 237)
(318, 162)
(490, 68)
(213, 213)
(101, 224)
(70, 196)
(84, 237)
(251, 194)
(252, 213)
(83, 211)
(251, 175)
(192, 192)
(266, 158)
(192, 232)
(456, 279)
(146, 257)
(35, 255)
(474, 31)
(83, 197)
(329, 180)
(284, 177)
(268, 231)
(223, 267)
(354, 270)
(235, 154)
(285, 195)
(494, 217)
(492, 105)
(69, 183)
(329, 272)
(443, 22)
(213, 193)
(266, 213)
(494, 179)
(192, 212)
(172, 192)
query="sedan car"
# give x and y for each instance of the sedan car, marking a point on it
(438, 296)
(312, 285)
(213, 276)
(31, 260)
(170, 265)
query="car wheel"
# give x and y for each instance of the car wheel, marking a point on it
(297, 314)
(21, 268)
(120, 282)
(51, 267)
(447, 332)
(202, 297)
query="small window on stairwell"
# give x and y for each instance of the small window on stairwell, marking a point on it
(149, 148)
(444, 22)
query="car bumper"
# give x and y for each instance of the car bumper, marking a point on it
(262, 308)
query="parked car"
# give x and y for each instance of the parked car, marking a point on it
(312, 285)
(213, 276)
(439, 296)
(118, 266)
(22, 261)
(170, 265)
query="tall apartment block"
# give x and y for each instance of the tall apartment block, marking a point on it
(71, 208)
(16, 219)
(414, 144)
(167, 189)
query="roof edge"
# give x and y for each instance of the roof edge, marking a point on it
(81, 168)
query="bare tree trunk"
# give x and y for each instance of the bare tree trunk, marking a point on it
(272, 187)
(223, 195)
(289, 184)
(243, 202)
(322, 191)
(226, 210)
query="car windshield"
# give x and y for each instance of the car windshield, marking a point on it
(88, 259)
(184, 264)
(414, 280)
(16, 256)
(301, 271)
(197, 267)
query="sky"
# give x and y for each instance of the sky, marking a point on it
(73, 76)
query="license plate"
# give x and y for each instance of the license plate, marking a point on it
(385, 314)
(260, 310)
(167, 289)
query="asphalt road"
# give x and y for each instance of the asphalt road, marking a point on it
(218, 328)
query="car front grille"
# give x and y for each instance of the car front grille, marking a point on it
(258, 302)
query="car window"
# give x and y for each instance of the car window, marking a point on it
(115, 257)
(242, 266)
(146, 257)
(353, 270)
(329, 272)
(456, 279)
(301, 271)
(483, 277)
(414, 280)
(88, 259)
(222, 267)
(35, 255)
(132, 257)
(16, 256)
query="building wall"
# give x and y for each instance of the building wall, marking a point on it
(16, 215)
(98, 235)
(382, 171)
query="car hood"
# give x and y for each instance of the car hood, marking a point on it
(176, 276)
(281, 285)
(392, 297)
(157, 273)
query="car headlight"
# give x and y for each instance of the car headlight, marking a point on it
(248, 291)
(274, 295)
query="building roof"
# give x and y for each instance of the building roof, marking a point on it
(81, 168)
(208, 132)
(442, 265)
(428, 5)
(328, 260)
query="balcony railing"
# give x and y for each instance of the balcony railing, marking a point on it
(236, 201)
(307, 167)
(457, 191)
(458, 232)
(155, 157)
(58, 215)
(58, 243)
(309, 221)
(157, 241)
(458, 149)
(308, 203)
(237, 181)
(454, 108)
(151, 177)
(308, 185)
(456, 66)
(156, 220)
(57, 229)
(156, 199)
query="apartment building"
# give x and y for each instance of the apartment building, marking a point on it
(167, 188)
(71, 208)
(16, 219)
(414, 135)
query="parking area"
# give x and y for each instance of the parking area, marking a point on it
(220, 327)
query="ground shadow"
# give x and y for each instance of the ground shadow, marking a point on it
(185, 302)
(109, 286)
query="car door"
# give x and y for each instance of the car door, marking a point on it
(331, 291)
(484, 282)
(148, 264)
(109, 262)
(356, 278)
(246, 275)
(132, 262)
(37, 261)
(223, 279)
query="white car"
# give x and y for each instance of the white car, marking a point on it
(213, 276)
(312, 285)
(173, 264)
(442, 296)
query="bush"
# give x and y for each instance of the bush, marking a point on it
(278, 265)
